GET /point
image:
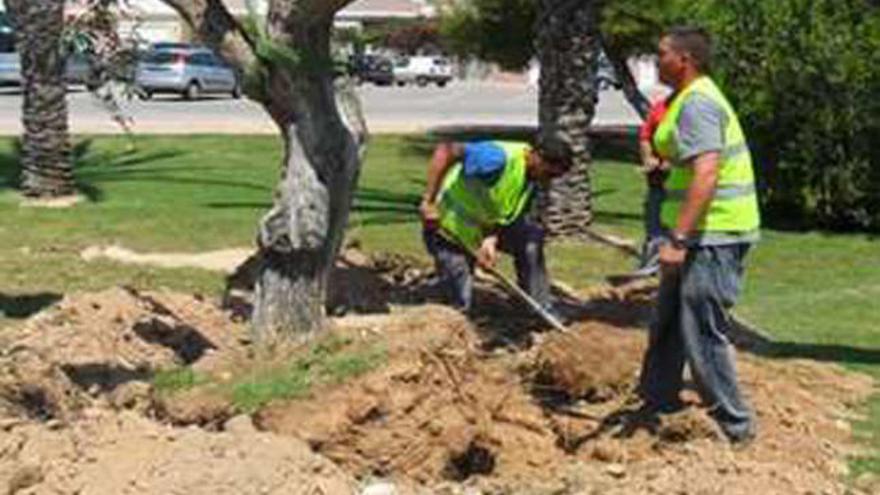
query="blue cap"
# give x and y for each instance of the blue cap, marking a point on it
(483, 160)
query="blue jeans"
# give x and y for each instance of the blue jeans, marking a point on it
(522, 240)
(649, 260)
(691, 325)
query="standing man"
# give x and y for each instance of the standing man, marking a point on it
(476, 200)
(711, 216)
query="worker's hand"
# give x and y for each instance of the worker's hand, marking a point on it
(651, 163)
(671, 258)
(429, 212)
(488, 254)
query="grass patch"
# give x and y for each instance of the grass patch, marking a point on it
(330, 361)
(813, 292)
(175, 380)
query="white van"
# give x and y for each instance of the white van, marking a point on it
(423, 71)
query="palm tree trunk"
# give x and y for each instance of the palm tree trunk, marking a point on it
(568, 44)
(46, 168)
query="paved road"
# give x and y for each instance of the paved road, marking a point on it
(388, 109)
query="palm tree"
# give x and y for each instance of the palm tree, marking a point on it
(47, 170)
(567, 43)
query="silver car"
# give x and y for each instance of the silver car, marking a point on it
(76, 70)
(187, 71)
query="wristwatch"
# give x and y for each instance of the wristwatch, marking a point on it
(678, 240)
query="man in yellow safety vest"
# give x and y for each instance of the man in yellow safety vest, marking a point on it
(711, 218)
(475, 202)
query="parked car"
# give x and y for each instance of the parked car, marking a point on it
(187, 70)
(372, 68)
(423, 71)
(77, 70)
(10, 69)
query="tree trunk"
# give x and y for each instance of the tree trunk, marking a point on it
(300, 237)
(324, 138)
(46, 165)
(567, 44)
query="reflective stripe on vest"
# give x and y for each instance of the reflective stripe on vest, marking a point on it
(734, 206)
(470, 208)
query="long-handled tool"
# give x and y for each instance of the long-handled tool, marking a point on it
(525, 297)
(511, 287)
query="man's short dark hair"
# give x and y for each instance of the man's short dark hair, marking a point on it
(557, 151)
(695, 41)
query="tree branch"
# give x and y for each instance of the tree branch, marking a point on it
(213, 24)
(628, 83)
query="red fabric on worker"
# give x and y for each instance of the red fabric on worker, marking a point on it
(652, 121)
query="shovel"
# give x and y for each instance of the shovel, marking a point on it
(512, 288)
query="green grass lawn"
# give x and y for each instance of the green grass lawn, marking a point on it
(813, 292)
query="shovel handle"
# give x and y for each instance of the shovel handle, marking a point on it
(511, 287)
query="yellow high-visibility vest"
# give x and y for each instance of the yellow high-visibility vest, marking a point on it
(470, 209)
(734, 207)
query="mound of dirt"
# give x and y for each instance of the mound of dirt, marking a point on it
(603, 367)
(104, 338)
(442, 411)
(444, 414)
(76, 405)
(436, 411)
(112, 453)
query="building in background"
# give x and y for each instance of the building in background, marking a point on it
(154, 21)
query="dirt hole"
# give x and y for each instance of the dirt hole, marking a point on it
(477, 459)
(187, 343)
(103, 377)
(34, 403)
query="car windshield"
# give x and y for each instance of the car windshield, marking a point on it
(164, 58)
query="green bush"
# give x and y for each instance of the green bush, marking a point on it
(804, 76)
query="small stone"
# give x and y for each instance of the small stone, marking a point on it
(54, 424)
(241, 424)
(616, 470)
(379, 488)
(605, 452)
(843, 426)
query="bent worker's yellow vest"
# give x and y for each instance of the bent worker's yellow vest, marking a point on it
(734, 207)
(470, 208)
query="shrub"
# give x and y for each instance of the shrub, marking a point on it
(803, 75)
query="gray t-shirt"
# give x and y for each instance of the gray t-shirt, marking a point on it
(701, 126)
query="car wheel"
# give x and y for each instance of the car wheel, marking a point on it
(192, 91)
(237, 92)
(422, 81)
(441, 84)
